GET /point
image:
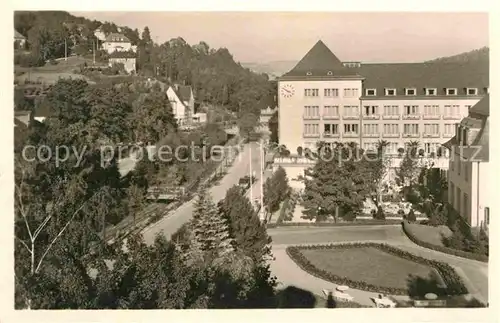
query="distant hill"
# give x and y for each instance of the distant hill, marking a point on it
(481, 54)
(273, 68)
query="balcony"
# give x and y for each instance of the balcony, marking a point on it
(391, 135)
(330, 117)
(430, 117)
(411, 135)
(371, 135)
(311, 135)
(391, 117)
(311, 117)
(350, 117)
(431, 135)
(371, 117)
(350, 135)
(330, 135)
(447, 135)
(452, 117)
(411, 117)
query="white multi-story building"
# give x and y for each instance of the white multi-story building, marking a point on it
(324, 99)
(181, 99)
(117, 43)
(469, 168)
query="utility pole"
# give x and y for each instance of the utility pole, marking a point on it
(93, 49)
(251, 182)
(65, 50)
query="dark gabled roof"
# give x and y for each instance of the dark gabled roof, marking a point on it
(420, 76)
(482, 108)
(319, 61)
(17, 35)
(184, 92)
(117, 38)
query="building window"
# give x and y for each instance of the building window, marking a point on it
(351, 93)
(431, 110)
(331, 129)
(311, 129)
(459, 164)
(391, 110)
(370, 110)
(410, 129)
(390, 92)
(471, 91)
(311, 92)
(451, 110)
(431, 128)
(411, 110)
(311, 111)
(468, 106)
(430, 91)
(451, 91)
(487, 215)
(351, 128)
(431, 147)
(371, 146)
(391, 128)
(449, 129)
(371, 92)
(370, 129)
(351, 111)
(411, 91)
(330, 93)
(331, 110)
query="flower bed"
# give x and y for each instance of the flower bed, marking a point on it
(459, 253)
(453, 282)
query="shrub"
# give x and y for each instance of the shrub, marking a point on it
(401, 213)
(453, 282)
(31, 60)
(299, 150)
(411, 216)
(373, 213)
(447, 250)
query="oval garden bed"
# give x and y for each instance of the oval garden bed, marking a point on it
(379, 268)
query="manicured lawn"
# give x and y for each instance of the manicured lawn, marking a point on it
(367, 264)
(429, 234)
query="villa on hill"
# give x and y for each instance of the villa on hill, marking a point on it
(181, 99)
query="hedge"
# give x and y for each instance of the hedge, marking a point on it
(333, 224)
(450, 251)
(453, 282)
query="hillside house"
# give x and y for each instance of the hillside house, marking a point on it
(115, 42)
(181, 99)
(129, 63)
(19, 40)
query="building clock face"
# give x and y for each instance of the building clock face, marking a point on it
(287, 91)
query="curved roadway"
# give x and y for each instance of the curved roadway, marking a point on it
(474, 273)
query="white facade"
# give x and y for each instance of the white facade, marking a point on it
(111, 47)
(128, 63)
(302, 126)
(200, 117)
(432, 125)
(183, 110)
(99, 34)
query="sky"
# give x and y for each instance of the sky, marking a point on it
(279, 36)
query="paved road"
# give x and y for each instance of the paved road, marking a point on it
(475, 273)
(172, 222)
